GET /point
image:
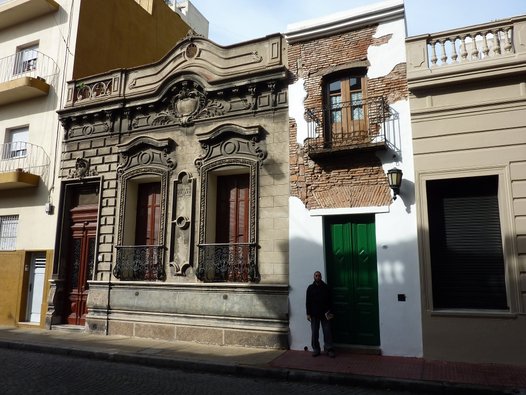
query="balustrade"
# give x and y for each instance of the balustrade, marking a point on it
(470, 46)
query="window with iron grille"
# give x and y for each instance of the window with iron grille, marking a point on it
(8, 229)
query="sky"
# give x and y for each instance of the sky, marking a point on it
(233, 21)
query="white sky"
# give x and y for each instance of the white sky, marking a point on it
(233, 21)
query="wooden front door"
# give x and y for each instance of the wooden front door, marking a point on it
(82, 258)
(353, 277)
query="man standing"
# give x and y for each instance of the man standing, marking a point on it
(319, 305)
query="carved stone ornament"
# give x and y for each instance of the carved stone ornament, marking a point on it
(144, 152)
(231, 141)
(82, 169)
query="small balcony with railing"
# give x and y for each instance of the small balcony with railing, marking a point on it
(469, 53)
(22, 165)
(345, 127)
(26, 75)
(227, 262)
(15, 12)
(140, 263)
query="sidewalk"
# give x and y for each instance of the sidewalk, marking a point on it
(397, 373)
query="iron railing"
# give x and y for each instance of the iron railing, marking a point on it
(349, 125)
(140, 263)
(25, 157)
(227, 262)
(37, 65)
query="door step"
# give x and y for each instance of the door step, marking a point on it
(69, 328)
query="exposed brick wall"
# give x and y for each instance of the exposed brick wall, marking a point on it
(356, 179)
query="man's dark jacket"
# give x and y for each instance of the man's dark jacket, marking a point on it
(318, 299)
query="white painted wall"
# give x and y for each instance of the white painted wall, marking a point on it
(396, 236)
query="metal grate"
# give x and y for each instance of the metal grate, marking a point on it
(8, 229)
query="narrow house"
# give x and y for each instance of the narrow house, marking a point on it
(350, 141)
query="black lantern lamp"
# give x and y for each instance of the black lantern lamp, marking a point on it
(394, 176)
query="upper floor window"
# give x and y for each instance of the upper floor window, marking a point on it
(26, 59)
(8, 230)
(16, 143)
(345, 105)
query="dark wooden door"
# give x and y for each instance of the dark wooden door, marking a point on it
(352, 275)
(147, 225)
(82, 258)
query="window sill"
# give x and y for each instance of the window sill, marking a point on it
(473, 313)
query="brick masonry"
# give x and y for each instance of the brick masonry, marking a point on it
(356, 179)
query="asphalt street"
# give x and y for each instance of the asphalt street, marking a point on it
(25, 372)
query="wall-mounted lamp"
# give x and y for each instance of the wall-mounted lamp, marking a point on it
(394, 176)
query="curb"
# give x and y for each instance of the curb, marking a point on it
(383, 383)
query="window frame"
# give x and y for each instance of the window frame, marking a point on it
(26, 64)
(509, 246)
(9, 152)
(8, 242)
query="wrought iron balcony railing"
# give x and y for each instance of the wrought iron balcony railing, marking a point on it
(140, 263)
(224, 262)
(37, 65)
(25, 157)
(358, 124)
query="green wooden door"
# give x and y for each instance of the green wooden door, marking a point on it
(352, 274)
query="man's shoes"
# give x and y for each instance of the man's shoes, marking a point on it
(331, 354)
(315, 353)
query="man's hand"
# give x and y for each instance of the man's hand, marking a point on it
(308, 317)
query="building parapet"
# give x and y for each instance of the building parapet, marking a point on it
(473, 52)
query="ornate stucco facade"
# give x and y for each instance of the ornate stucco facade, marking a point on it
(193, 123)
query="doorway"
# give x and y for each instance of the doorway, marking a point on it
(83, 214)
(35, 290)
(352, 274)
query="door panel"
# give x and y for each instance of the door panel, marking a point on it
(82, 257)
(352, 275)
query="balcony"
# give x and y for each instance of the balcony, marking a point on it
(22, 165)
(468, 54)
(14, 12)
(22, 78)
(340, 128)
(140, 263)
(225, 262)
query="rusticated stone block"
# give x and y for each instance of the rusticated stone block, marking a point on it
(200, 335)
(155, 331)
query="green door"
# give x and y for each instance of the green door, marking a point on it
(353, 277)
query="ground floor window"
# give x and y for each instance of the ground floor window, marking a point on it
(8, 231)
(467, 261)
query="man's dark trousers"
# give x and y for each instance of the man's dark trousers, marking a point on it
(315, 330)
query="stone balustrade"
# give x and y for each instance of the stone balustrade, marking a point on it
(470, 46)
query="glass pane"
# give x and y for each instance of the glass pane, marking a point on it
(355, 83)
(357, 105)
(335, 86)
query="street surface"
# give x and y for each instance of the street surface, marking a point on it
(24, 372)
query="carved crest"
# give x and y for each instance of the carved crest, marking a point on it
(82, 169)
